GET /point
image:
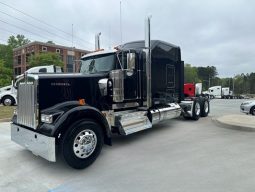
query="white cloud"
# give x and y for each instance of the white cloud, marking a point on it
(219, 33)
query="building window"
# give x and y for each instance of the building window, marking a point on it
(57, 50)
(17, 71)
(44, 48)
(32, 49)
(69, 68)
(19, 59)
(27, 58)
(69, 59)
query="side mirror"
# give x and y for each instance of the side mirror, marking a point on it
(130, 63)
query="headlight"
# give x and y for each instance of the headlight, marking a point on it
(109, 84)
(46, 118)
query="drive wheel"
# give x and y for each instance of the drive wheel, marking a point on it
(252, 111)
(196, 110)
(205, 108)
(82, 144)
(8, 101)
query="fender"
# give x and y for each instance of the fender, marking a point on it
(66, 113)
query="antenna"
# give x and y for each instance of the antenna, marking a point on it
(73, 54)
(72, 35)
(120, 25)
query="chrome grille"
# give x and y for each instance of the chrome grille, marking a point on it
(27, 101)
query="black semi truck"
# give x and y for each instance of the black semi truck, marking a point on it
(122, 91)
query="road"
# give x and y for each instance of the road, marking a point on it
(178, 155)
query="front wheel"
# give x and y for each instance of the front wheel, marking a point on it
(82, 144)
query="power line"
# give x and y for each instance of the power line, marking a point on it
(3, 40)
(8, 31)
(41, 21)
(39, 28)
(27, 31)
(35, 26)
(5, 30)
(21, 28)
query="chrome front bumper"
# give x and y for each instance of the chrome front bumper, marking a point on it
(39, 144)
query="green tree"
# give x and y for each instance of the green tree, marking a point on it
(6, 54)
(190, 74)
(207, 75)
(50, 42)
(45, 59)
(17, 41)
(252, 83)
(5, 74)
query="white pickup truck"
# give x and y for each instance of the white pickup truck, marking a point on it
(8, 94)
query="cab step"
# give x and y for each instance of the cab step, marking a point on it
(133, 122)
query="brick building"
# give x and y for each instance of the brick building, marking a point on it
(68, 55)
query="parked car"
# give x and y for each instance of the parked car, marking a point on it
(248, 107)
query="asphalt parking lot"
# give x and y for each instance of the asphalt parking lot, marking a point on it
(178, 155)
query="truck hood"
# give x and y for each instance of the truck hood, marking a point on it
(69, 75)
(56, 88)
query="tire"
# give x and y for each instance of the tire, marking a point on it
(8, 100)
(196, 111)
(74, 149)
(252, 111)
(205, 108)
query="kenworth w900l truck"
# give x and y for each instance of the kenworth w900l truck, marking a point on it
(122, 91)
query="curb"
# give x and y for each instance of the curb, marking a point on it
(232, 126)
(5, 120)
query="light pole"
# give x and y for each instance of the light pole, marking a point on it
(233, 84)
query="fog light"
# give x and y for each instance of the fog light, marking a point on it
(46, 118)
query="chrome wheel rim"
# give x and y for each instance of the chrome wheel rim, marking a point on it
(206, 107)
(7, 102)
(197, 109)
(85, 143)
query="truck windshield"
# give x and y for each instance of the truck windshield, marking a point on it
(97, 64)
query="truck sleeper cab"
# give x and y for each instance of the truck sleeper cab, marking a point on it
(121, 91)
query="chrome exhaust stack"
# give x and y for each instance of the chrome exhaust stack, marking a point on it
(148, 59)
(97, 41)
